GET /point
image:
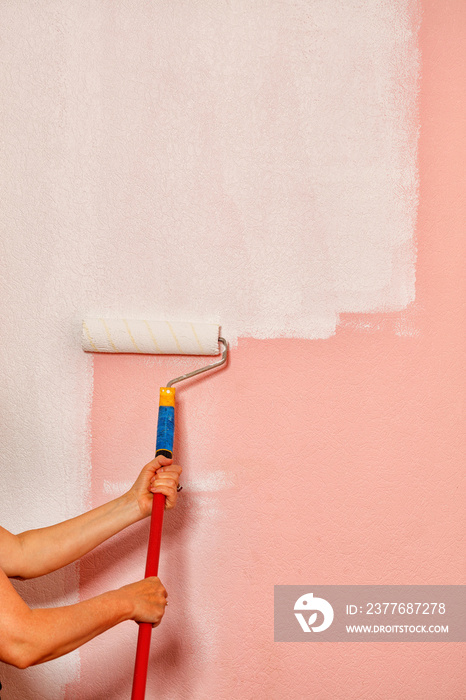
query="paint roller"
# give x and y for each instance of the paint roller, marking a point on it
(154, 337)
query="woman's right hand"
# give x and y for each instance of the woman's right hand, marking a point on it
(148, 598)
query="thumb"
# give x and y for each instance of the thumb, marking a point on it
(161, 461)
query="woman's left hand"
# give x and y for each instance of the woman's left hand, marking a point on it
(158, 476)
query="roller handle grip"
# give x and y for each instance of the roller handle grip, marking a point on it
(164, 446)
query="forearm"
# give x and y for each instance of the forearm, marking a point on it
(47, 633)
(37, 552)
(50, 548)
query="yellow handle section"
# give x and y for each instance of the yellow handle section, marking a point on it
(167, 396)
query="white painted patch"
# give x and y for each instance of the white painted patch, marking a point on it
(406, 324)
(405, 328)
(362, 325)
(214, 481)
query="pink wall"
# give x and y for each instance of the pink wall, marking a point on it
(332, 461)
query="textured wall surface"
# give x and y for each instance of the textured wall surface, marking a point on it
(255, 165)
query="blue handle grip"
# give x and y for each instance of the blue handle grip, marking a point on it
(166, 423)
(165, 431)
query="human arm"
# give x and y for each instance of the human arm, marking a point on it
(38, 552)
(32, 636)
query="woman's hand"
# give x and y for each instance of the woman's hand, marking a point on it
(158, 476)
(148, 599)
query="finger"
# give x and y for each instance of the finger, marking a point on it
(162, 461)
(157, 463)
(175, 468)
(168, 483)
(167, 471)
(157, 583)
(170, 497)
(165, 478)
(168, 491)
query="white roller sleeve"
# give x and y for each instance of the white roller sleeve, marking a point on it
(149, 336)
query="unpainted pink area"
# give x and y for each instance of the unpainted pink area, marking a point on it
(343, 461)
